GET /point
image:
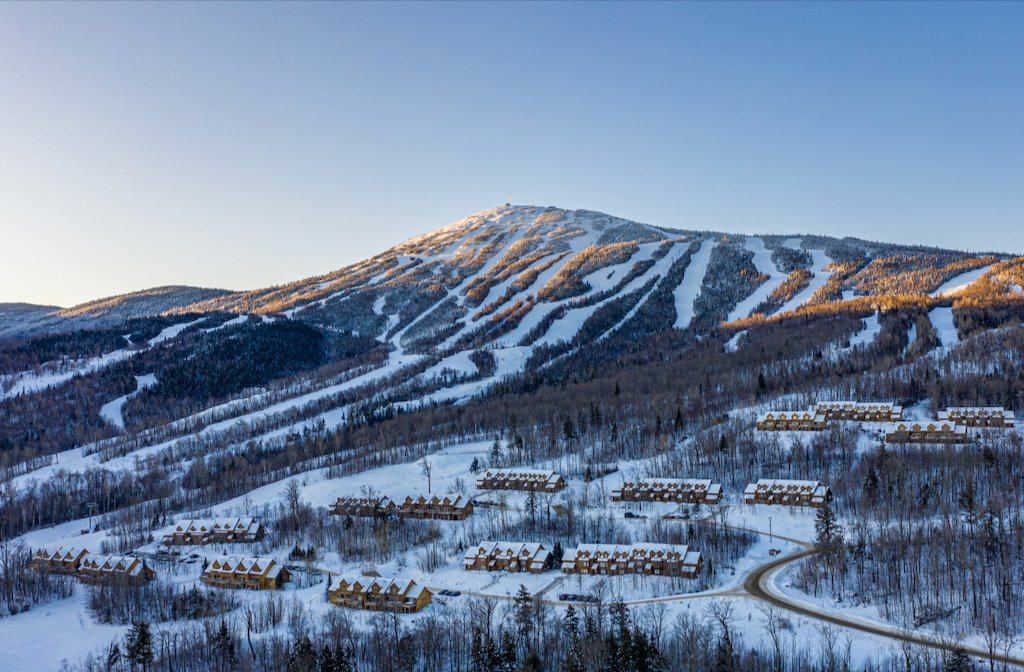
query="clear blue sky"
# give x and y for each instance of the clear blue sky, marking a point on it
(240, 145)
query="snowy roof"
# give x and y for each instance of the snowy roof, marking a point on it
(925, 426)
(509, 549)
(254, 566)
(530, 474)
(785, 485)
(626, 551)
(113, 564)
(404, 587)
(975, 411)
(455, 501)
(219, 525)
(61, 553)
(657, 483)
(792, 415)
(859, 405)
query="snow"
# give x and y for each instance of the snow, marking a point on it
(42, 637)
(241, 319)
(112, 410)
(764, 264)
(172, 332)
(33, 381)
(819, 276)
(868, 333)
(945, 327)
(959, 283)
(733, 344)
(689, 288)
(459, 363)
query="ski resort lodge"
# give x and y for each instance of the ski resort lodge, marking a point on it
(108, 569)
(506, 556)
(252, 573)
(802, 421)
(860, 410)
(223, 530)
(400, 596)
(932, 431)
(433, 507)
(652, 559)
(787, 492)
(677, 490)
(363, 507)
(61, 561)
(978, 416)
(537, 480)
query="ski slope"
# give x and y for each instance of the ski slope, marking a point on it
(764, 264)
(686, 293)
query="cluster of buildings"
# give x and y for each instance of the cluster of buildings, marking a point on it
(817, 417)
(233, 571)
(787, 492)
(402, 596)
(91, 568)
(951, 425)
(617, 559)
(536, 480)
(676, 490)
(507, 556)
(217, 531)
(433, 507)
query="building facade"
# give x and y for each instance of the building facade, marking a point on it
(787, 493)
(251, 573)
(60, 561)
(537, 480)
(932, 431)
(220, 530)
(678, 490)
(363, 507)
(650, 559)
(507, 556)
(978, 416)
(799, 421)
(863, 411)
(108, 569)
(436, 507)
(400, 596)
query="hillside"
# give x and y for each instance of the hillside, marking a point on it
(523, 337)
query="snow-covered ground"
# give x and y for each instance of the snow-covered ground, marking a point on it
(960, 282)
(945, 327)
(819, 276)
(733, 344)
(764, 264)
(689, 288)
(112, 410)
(33, 381)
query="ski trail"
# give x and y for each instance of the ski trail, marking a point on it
(689, 288)
(764, 264)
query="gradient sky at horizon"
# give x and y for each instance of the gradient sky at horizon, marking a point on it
(243, 145)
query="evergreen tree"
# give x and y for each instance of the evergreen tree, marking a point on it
(827, 528)
(524, 615)
(113, 656)
(474, 467)
(303, 656)
(725, 660)
(958, 661)
(573, 661)
(139, 645)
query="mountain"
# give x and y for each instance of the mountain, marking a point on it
(607, 350)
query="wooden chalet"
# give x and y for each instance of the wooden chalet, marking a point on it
(787, 492)
(678, 490)
(931, 431)
(220, 530)
(400, 596)
(60, 561)
(538, 480)
(253, 573)
(436, 507)
(506, 556)
(363, 507)
(615, 559)
(978, 416)
(863, 411)
(108, 569)
(799, 421)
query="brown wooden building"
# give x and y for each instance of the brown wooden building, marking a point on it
(436, 507)
(797, 421)
(538, 480)
(252, 573)
(363, 507)
(60, 561)
(401, 596)
(220, 530)
(931, 431)
(109, 569)
(679, 490)
(506, 556)
(978, 416)
(787, 492)
(863, 411)
(615, 559)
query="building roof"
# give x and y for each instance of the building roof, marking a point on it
(546, 475)
(114, 564)
(60, 553)
(792, 415)
(507, 549)
(782, 485)
(404, 587)
(205, 526)
(976, 411)
(925, 426)
(632, 551)
(252, 566)
(659, 483)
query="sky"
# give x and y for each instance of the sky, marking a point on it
(240, 145)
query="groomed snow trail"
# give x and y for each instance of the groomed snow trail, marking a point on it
(764, 264)
(959, 283)
(945, 327)
(819, 276)
(689, 288)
